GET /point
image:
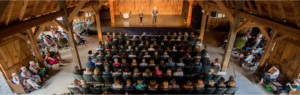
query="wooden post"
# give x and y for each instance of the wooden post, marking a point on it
(71, 41)
(35, 48)
(93, 18)
(190, 13)
(231, 39)
(266, 53)
(203, 23)
(208, 20)
(111, 8)
(98, 22)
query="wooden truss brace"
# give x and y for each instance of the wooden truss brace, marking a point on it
(281, 38)
(241, 26)
(75, 11)
(37, 32)
(294, 59)
(22, 36)
(263, 30)
(61, 25)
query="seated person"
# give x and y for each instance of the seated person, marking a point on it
(180, 63)
(173, 84)
(189, 84)
(178, 39)
(147, 55)
(231, 83)
(77, 71)
(170, 63)
(52, 54)
(88, 71)
(211, 83)
(174, 48)
(164, 85)
(155, 56)
(116, 62)
(125, 16)
(165, 38)
(207, 63)
(142, 43)
(136, 72)
(159, 49)
(140, 84)
(124, 62)
(108, 38)
(52, 60)
(197, 56)
(147, 72)
(216, 63)
(96, 71)
(90, 62)
(133, 38)
(211, 71)
(188, 60)
(129, 85)
(152, 63)
(247, 59)
(162, 63)
(134, 63)
(204, 50)
(185, 38)
(75, 84)
(144, 49)
(293, 86)
(168, 49)
(197, 62)
(178, 72)
(26, 74)
(221, 83)
(169, 72)
(108, 54)
(36, 70)
(107, 48)
(272, 73)
(117, 84)
(116, 72)
(165, 55)
(198, 84)
(97, 62)
(204, 58)
(84, 85)
(18, 80)
(144, 62)
(107, 72)
(129, 48)
(132, 54)
(151, 48)
(217, 72)
(127, 72)
(140, 56)
(49, 41)
(152, 85)
(157, 72)
(172, 39)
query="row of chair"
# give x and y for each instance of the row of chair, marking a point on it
(158, 79)
(96, 90)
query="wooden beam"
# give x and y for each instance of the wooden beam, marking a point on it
(266, 53)
(263, 30)
(98, 22)
(3, 6)
(231, 3)
(228, 14)
(112, 13)
(280, 7)
(22, 36)
(258, 8)
(35, 48)
(293, 59)
(203, 23)
(70, 34)
(44, 7)
(35, 5)
(241, 26)
(232, 36)
(76, 10)
(270, 12)
(37, 32)
(252, 24)
(296, 10)
(53, 3)
(250, 6)
(201, 4)
(281, 38)
(22, 12)
(61, 25)
(292, 41)
(208, 20)
(12, 3)
(24, 25)
(189, 19)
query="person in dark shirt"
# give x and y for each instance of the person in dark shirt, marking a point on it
(141, 17)
(154, 14)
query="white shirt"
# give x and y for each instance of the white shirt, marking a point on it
(130, 55)
(98, 63)
(151, 49)
(127, 73)
(119, 86)
(144, 64)
(147, 56)
(117, 73)
(180, 64)
(178, 73)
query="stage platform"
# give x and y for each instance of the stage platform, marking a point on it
(134, 21)
(132, 25)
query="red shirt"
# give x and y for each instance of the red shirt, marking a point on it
(109, 39)
(116, 63)
(157, 73)
(107, 49)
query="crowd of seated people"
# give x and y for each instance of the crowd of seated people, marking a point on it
(152, 66)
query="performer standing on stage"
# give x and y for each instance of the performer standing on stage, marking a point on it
(141, 17)
(154, 14)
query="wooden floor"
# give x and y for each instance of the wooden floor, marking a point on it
(61, 78)
(134, 21)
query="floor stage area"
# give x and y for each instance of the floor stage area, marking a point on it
(134, 21)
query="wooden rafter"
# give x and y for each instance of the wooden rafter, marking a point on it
(35, 5)
(22, 12)
(3, 6)
(53, 3)
(61, 25)
(44, 7)
(8, 15)
(270, 12)
(75, 11)
(296, 10)
(250, 6)
(281, 38)
(201, 4)
(23, 36)
(258, 8)
(280, 7)
(263, 30)
(228, 14)
(241, 26)
(37, 32)
(231, 3)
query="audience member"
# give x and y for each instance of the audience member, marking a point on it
(18, 80)
(157, 72)
(198, 84)
(147, 72)
(170, 63)
(128, 85)
(272, 73)
(164, 85)
(180, 63)
(189, 84)
(221, 83)
(134, 63)
(153, 85)
(117, 84)
(140, 84)
(26, 74)
(88, 71)
(144, 62)
(107, 72)
(96, 71)
(178, 72)
(293, 86)
(173, 84)
(36, 70)
(116, 72)
(90, 62)
(211, 83)
(136, 72)
(127, 72)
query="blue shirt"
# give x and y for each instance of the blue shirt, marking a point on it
(293, 86)
(90, 63)
(140, 86)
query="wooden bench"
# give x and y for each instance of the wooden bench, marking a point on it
(16, 88)
(280, 81)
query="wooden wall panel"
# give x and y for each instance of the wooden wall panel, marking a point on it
(218, 22)
(172, 7)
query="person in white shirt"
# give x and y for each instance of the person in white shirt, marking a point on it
(180, 63)
(131, 54)
(142, 43)
(178, 72)
(174, 48)
(165, 38)
(178, 39)
(151, 48)
(116, 72)
(165, 55)
(74, 84)
(117, 84)
(248, 59)
(127, 72)
(147, 55)
(129, 48)
(216, 63)
(144, 62)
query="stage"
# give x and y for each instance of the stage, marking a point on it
(134, 21)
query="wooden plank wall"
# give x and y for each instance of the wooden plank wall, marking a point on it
(283, 52)
(164, 7)
(13, 56)
(217, 22)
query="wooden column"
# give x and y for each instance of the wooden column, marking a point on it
(266, 53)
(208, 20)
(232, 35)
(93, 18)
(34, 46)
(98, 22)
(203, 23)
(111, 8)
(190, 12)
(71, 41)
